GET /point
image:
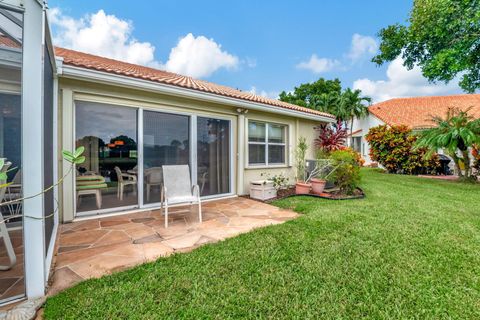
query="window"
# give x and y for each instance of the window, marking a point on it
(357, 144)
(266, 143)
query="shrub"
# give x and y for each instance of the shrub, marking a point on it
(347, 173)
(476, 159)
(330, 137)
(394, 148)
(357, 156)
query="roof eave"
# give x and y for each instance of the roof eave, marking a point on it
(68, 71)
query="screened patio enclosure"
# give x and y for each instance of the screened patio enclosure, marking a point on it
(27, 131)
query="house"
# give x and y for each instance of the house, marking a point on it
(131, 120)
(415, 113)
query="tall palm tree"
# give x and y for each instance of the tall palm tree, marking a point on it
(455, 134)
(353, 105)
(326, 102)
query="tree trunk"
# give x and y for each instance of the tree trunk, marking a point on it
(456, 161)
(351, 133)
(466, 163)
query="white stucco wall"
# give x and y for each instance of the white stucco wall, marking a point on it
(365, 124)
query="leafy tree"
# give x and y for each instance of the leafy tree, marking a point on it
(327, 96)
(442, 37)
(314, 95)
(457, 134)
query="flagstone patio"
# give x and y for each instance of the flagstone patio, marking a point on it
(93, 248)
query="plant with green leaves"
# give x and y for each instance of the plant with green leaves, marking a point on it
(280, 181)
(441, 37)
(3, 174)
(300, 159)
(456, 134)
(74, 158)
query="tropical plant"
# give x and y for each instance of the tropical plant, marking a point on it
(394, 148)
(476, 162)
(331, 137)
(456, 134)
(353, 105)
(300, 159)
(441, 37)
(346, 175)
(73, 158)
(313, 95)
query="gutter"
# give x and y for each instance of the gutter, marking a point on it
(72, 72)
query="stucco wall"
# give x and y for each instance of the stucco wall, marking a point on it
(365, 124)
(72, 90)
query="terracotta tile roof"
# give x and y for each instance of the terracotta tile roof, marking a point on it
(417, 112)
(89, 61)
(7, 42)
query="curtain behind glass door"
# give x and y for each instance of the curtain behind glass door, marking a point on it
(213, 156)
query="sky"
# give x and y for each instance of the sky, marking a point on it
(260, 46)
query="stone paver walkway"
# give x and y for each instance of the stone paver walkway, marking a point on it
(94, 248)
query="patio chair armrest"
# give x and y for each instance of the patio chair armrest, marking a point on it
(129, 176)
(196, 190)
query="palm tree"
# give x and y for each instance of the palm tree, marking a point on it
(456, 134)
(353, 105)
(326, 102)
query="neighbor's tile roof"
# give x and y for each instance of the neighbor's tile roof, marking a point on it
(84, 60)
(417, 112)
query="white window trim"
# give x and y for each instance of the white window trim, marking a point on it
(265, 143)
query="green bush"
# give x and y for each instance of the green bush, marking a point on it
(395, 149)
(347, 173)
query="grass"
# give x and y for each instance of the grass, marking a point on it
(411, 249)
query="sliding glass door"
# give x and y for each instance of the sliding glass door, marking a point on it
(112, 178)
(213, 156)
(166, 141)
(108, 177)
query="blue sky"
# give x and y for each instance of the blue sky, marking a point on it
(249, 44)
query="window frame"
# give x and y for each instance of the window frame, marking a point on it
(266, 143)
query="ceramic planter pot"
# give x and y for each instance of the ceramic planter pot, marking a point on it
(302, 188)
(318, 185)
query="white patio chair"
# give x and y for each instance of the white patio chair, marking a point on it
(3, 227)
(177, 189)
(153, 177)
(125, 179)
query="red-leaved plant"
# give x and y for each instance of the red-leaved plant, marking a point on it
(331, 137)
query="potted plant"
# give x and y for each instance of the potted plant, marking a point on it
(322, 172)
(302, 186)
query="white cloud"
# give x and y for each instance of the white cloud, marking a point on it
(319, 65)
(263, 93)
(401, 82)
(108, 36)
(101, 34)
(362, 46)
(199, 57)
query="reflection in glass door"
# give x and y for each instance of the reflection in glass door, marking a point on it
(108, 177)
(166, 141)
(213, 156)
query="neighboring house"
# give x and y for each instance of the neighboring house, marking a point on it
(415, 113)
(131, 120)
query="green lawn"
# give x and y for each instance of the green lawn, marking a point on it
(411, 249)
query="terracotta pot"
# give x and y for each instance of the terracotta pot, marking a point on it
(318, 185)
(302, 188)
